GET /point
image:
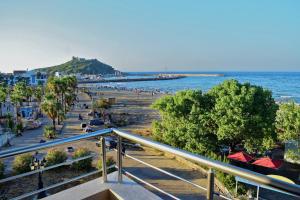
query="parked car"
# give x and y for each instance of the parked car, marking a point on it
(88, 129)
(83, 126)
(70, 149)
(110, 143)
(96, 122)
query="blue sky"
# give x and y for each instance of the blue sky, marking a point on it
(137, 35)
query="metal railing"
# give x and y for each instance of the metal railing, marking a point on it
(212, 165)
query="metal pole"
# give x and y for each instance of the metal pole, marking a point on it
(119, 159)
(210, 184)
(104, 172)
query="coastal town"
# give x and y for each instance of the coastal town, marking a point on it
(149, 100)
(38, 107)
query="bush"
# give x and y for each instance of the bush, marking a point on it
(85, 164)
(2, 168)
(110, 161)
(49, 132)
(55, 156)
(22, 163)
(10, 122)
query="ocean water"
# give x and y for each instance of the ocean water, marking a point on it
(284, 85)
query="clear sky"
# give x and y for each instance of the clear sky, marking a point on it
(152, 35)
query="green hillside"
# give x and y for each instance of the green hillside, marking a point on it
(80, 65)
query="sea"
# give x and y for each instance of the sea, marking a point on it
(285, 86)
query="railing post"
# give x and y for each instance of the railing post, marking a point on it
(210, 184)
(104, 170)
(119, 159)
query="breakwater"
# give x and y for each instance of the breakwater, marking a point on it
(131, 79)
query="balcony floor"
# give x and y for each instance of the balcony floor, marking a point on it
(128, 190)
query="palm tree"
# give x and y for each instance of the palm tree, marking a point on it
(51, 107)
(38, 93)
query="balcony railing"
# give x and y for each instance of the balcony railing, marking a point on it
(291, 189)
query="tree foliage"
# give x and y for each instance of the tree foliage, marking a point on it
(186, 121)
(51, 107)
(230, 113)
(288, 122)
(243, 113)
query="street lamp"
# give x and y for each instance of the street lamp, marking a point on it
(37, 164)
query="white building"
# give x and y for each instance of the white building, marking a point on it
(32, 77)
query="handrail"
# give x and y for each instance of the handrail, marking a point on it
(227, 168)
(35, 147)
(230, 169)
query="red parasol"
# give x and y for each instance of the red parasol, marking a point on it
(240, 156)
(268, 162)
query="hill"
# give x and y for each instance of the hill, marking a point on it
(80, 65)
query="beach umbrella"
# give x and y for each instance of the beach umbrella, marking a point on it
(268, 162)
(240, 156)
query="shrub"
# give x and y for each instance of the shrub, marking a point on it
(55, 156)
(22, 163)
(10, 122)
(110, 161)
(82, 164)
(49, 132)
(2, 168)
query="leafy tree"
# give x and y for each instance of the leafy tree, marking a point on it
(19, 93)
(38, 93)
(244, 113)
(185, 121)
(288, 122)
(230, 113)
(28, 93)
(51, 107)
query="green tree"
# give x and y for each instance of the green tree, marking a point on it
(18, 95)
(38, 93)
(230, 113)
(288, 122)
(185, 121)
(51, 107)
(244, 113)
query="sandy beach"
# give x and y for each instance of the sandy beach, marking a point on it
(131, 106)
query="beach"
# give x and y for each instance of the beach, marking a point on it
(133, 107)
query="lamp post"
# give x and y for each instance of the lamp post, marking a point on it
(37, 164)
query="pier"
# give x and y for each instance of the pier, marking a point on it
(162, 78)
